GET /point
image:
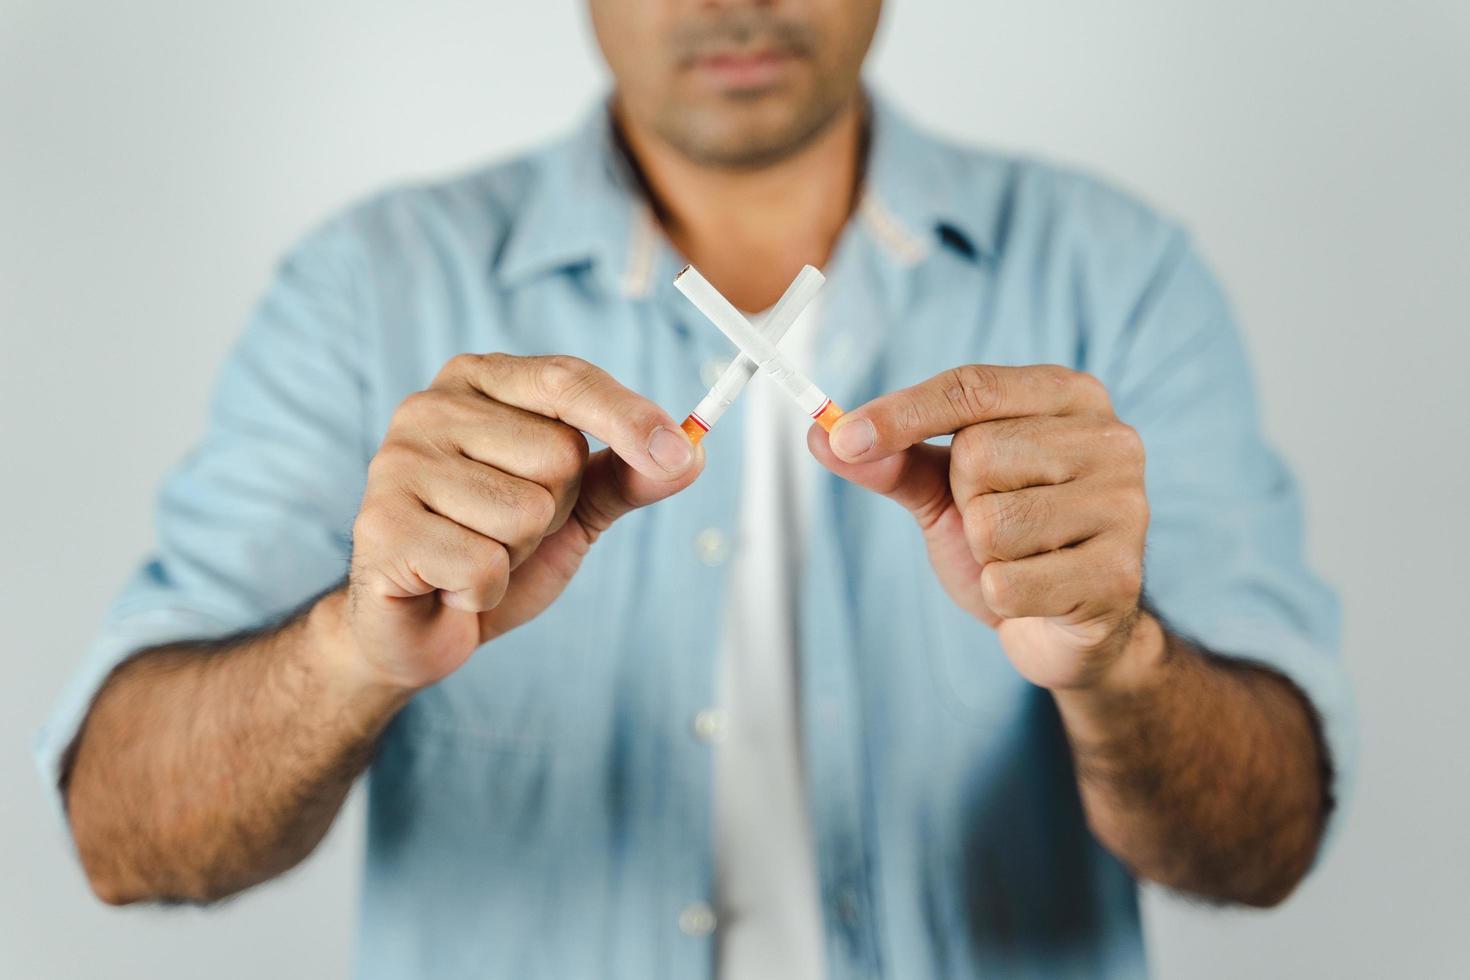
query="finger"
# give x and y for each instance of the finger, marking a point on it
(1020, 523)
(427, 551)
(959, 397)
(518, 513)
(918, 479)
(584, 396)
(1075, 585)
(1011, 454)
(612, 488)
(463, 421)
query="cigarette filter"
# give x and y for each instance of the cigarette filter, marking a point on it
(758, 347)
(722, 394)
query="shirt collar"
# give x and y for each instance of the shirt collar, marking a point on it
(584, 207)
(918, 195)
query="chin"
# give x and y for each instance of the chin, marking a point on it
(743, 129)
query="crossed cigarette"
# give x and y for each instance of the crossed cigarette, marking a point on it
(758, 350)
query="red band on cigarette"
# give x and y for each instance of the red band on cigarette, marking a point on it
(827, 415)
(694, 427)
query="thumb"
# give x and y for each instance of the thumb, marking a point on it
(611, 488)
(917, 477)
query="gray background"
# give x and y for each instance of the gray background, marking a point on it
(156, 157)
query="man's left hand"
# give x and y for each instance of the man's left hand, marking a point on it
(1034, 515)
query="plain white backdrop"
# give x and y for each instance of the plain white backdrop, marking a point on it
(157, 156)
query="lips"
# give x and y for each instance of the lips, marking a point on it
(744, 69)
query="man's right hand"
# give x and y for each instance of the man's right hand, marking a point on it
(482, 501)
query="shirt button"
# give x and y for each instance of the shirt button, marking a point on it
(710, 370)
(697, 919)
(708, 725)
(712, 546)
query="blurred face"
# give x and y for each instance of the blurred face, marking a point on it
(734, 84)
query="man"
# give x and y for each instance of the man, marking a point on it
(657, 710)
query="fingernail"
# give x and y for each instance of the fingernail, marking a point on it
(854, 437)
(670, 449)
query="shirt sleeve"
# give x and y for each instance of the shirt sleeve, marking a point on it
(1224, 563)
(257, 517)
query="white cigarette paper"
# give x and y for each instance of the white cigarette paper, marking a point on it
(752, 343)
(737, 375)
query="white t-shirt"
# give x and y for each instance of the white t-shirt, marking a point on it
(768, 914)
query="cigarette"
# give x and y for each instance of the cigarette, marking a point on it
(732, 381)
(756, 346)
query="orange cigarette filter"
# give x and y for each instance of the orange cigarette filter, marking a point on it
(828, 415)
(758, 351)
(694, 428)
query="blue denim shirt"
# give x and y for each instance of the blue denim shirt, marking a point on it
(546, 811)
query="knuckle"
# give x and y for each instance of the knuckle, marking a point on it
(394, 456)
(1127, 507)
(462, 369)
(420, 410)
(562, 376)
(1091, 387)
(566, 453)
(538, 507)
(1128, 575)
(1122, 506)
(485, 589)
(411, 406)
(974, 390)
(1129, 442)
(1115, 444)
(998, 587)
(462, 365)
(491, 569)
(971, 447)
(909, 415)
(980, 527)
(1059, 374)
(375, 524)
(487, 366)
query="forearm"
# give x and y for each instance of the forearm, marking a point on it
(204, 769)
(1202, 774)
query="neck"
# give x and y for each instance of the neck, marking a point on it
(750, 231)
